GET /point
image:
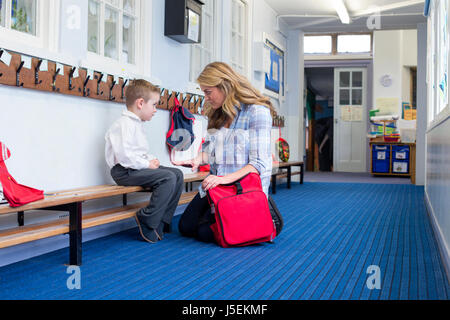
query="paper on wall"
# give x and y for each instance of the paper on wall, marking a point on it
(387, 105)
(44, 65)
(194, 26)
(61, 68)
(346, 113)
(6, 58)
(26, 61)
(357, 113)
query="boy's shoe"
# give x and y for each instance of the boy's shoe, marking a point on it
(163, 228)
(148, 234)
(167, 228)
(160, 230)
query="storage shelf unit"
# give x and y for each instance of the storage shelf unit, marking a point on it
(393, 159)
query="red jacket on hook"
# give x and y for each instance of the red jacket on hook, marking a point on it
(16, 194)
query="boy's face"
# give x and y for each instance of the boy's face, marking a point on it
(148, 109)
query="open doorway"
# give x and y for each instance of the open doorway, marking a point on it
(337, 98)
(319, 84)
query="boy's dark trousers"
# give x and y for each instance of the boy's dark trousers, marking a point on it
(166, 185)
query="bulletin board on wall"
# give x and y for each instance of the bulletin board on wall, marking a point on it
(274, 82)
(23, 71)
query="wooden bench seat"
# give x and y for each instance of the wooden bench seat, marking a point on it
(285, 171)
(71, 201)
(34, 232)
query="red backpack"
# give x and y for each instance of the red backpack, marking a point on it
(242, 213)
(16, 194)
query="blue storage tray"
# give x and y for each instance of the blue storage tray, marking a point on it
(380, 166)
(380, 152)
(400, 152)
(400, 166)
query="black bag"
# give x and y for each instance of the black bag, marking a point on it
(276, 215)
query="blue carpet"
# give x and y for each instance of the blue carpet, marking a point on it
(333, 232)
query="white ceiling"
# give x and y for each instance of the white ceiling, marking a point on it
(320, 15)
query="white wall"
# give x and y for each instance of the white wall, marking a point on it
(265, 21)
(437, 149)
(387, 60)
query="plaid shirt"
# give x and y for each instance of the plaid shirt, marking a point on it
(247, 141)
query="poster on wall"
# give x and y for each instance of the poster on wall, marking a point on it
(274, 83)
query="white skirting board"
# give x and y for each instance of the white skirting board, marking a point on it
(443, 248)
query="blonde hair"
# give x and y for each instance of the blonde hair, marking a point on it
(237, 89)
(138, 89)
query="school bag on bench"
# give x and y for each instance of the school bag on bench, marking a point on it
(242, 213)
(16, 194)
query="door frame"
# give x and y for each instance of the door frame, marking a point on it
(337, 120)
(363, 63)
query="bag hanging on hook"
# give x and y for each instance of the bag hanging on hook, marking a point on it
(283, 148)
(180, 135)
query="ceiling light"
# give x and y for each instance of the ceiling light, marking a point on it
(341, 10)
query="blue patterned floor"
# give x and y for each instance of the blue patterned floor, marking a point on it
(333, 233)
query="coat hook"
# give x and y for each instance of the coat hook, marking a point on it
(71, 77)
(98, 84)
(110, 91)
(54, 80)
(18, 83)
(1, 53)
(87, 92)
(123, 88)
(36, 72)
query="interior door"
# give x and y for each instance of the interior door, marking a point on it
(350, 123)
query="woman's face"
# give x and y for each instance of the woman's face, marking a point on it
(214, 96)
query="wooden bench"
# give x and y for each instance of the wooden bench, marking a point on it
(285, 171)
(71, 201)
(194, 177)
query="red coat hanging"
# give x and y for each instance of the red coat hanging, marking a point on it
(16, 194)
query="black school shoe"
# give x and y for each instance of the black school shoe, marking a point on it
(163, 228)
(148, 234)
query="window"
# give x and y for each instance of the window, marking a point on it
(239, 36)
(30, 26)
(19, 15)
(112, 29)
(204, 52)
(438, 68)
(318, 44)
(353, 43)
(338, 44)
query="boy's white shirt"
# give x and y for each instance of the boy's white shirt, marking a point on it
(126, 143)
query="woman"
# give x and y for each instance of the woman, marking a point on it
(238, 141)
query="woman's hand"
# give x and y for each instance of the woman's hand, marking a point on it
(212, 181)
(193, 163)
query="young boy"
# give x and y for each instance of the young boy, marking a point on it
(127, 154)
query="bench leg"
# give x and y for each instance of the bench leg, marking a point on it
(124, 199)
(20, 218)
(75, 234)
(302, 169)
(274, 184)
(289, 177)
